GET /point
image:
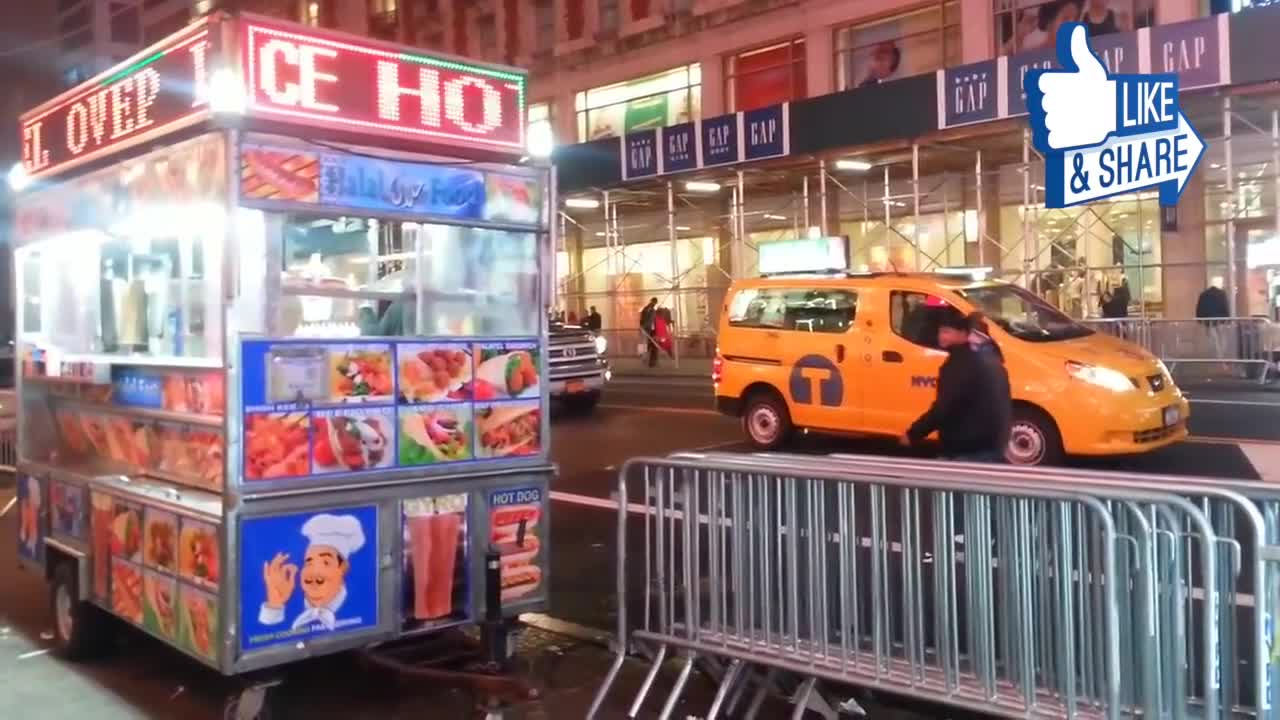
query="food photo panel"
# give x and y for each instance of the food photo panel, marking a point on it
(352, 439)
(435, 569)
(432, 434)
(508, 429)
(507, 371)
(276, 445)
(434, 372)
(360, 374)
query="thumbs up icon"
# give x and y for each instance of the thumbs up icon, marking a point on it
(1077, 103)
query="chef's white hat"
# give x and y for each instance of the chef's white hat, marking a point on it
(340, 532)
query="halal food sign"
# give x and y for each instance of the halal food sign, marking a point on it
(318, 79)
(156, 92)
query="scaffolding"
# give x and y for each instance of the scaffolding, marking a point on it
(954, 200)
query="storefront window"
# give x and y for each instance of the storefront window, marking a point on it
(1033, 24)
(539, 136)
(361, 277)
(767, 76)
(667, 98)
(899, 46)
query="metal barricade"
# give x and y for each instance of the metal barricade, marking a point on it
(1241, 347)
(1000, 590)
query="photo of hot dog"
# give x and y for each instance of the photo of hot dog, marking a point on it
(275, 175)
(507, 429)
(513, 532)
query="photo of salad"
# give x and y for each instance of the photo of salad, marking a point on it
(352, 441)
(434, 373)
(276, 445)
(435, 435)
(198, 623)
(360, 375)
(126, 532)
(160, 609)
(506, 371)
(198, 553)
(126, 590)
(161, 537)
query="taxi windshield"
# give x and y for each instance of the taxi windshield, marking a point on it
(1022, 314)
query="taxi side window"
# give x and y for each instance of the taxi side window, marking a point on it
(797, 309)
(914, 317)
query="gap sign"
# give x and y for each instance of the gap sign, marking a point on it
(723, 140)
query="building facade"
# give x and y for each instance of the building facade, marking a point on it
(906, 135)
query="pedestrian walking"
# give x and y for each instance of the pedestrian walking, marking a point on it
(973, 409)
(648, 326)
(593, 321)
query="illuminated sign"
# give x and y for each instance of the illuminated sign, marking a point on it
(329, 81)
(152, 93)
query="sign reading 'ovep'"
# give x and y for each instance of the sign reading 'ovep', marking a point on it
(161, 89)
(317, 78)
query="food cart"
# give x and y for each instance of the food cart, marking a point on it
(282, 344)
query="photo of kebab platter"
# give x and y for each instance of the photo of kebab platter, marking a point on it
(352, 442)
(508, 429)
(513, 532)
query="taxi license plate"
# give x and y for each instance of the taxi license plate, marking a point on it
(577, 386)
(1172, 416)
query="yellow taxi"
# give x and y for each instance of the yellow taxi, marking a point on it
(851, 353)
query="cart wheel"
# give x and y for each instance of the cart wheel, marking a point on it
(79, 630)
(254, 703)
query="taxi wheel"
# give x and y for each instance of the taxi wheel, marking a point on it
(1033, 439)
(766, 421)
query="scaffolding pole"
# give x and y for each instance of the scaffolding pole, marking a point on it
(888, 220)
(982, 221)
(915, 204)
(804, 194)
(1231, 208)
(741, 250)
(675, 274)
(822, 197)
(1026, 209)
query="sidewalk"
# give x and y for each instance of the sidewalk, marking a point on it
(637, 367)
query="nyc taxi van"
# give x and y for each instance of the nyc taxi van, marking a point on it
(849, 353)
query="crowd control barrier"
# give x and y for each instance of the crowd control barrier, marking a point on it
(1239, 347)
(1016, 592)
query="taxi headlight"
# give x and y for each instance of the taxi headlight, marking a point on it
(602, 344)
(1103, 377)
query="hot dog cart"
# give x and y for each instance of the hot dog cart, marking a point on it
(280, 323)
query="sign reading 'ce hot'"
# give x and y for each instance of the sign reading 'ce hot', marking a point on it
(330, 80)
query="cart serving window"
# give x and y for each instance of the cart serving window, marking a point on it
(282, 317)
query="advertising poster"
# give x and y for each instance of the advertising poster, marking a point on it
(133, 387)
(512, 198)
(352, 440)
(436, 571)
(199, 554)
(160, 604)
(126, 590)
(507, 371)
(308, 575)
(100, 525)
(31, 505)
(198, 623)
(432, 373)
(68, 509)
(431, 434)
(513, 529)
(362, 182)
(160, 540)
(279, 174)
(322, 409)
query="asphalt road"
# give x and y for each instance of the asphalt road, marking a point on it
(638, 418)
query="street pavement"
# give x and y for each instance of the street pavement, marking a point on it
(639, 417)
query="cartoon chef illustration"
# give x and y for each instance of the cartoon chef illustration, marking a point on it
(331, 540)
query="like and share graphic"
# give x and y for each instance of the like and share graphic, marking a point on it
(1104, 134)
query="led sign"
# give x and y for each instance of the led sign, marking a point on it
(330, 81)
(153, 93)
